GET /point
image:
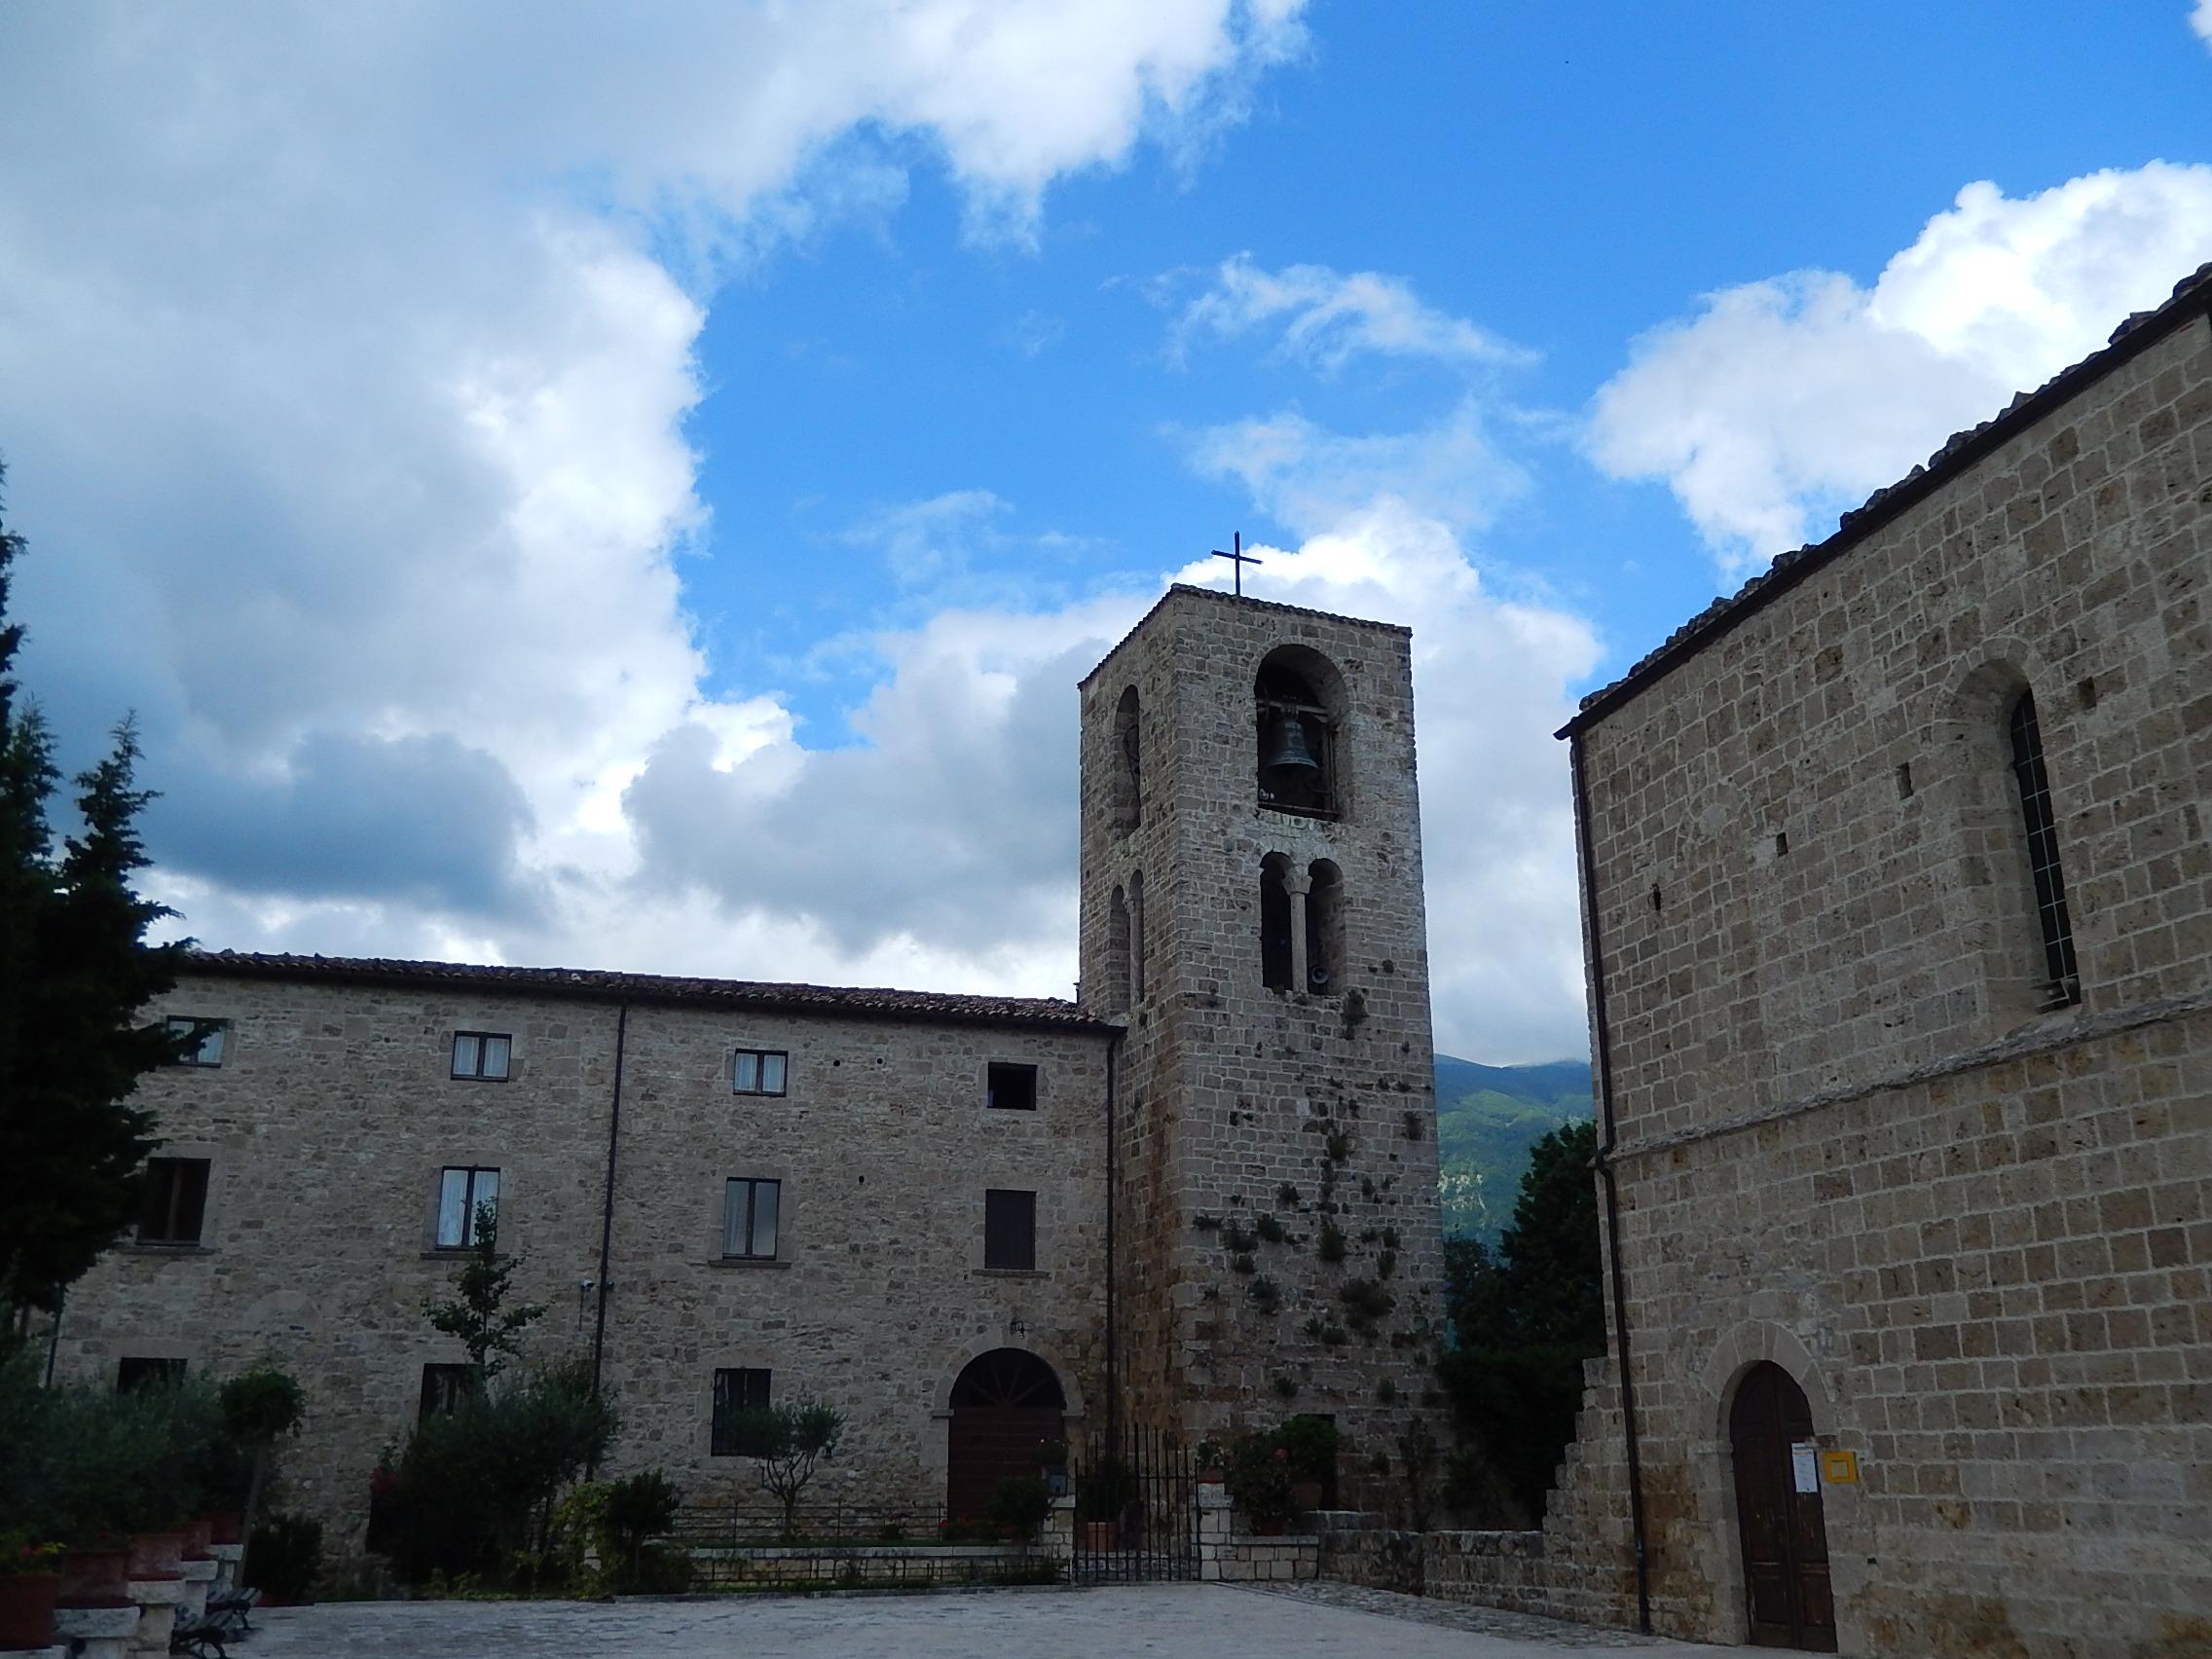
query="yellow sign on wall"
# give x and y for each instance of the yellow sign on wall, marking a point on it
(1839, 1468)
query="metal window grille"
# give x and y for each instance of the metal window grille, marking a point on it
(735, 1390)
(482, 1056)
(1009, 1229)
(174, 1204)
(750, 1213)
(2034, 781)
(758, 1071)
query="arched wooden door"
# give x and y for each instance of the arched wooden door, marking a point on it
(1006, 1405)
(1778, 1513)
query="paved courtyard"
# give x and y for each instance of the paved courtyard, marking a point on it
(1177, 1621)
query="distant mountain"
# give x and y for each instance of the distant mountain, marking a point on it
(1487, 1119)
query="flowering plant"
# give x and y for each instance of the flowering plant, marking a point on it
(24, 1552)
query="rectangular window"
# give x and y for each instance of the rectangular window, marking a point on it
(132, 1374)
(205, 1037)
(1009, 1229)
(735, 1391)
(444, 1387)
(173, 1201)
(467, 1198)
(758, 1071)
(1010, 1087)
(749, 1219)
(481, 1055)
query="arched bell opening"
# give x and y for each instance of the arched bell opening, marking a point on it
(1326, 929)
(1275, 922)
(1297, 701)
(1127, 764)
(1008, 1406)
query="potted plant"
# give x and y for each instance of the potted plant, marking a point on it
(1312, 1445)
(1019, 1505)
(1259, 1483)
(27, 1582)
(1102, 1497)
(95, 1575)
(1212, 1458)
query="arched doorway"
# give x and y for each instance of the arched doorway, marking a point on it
(1778, 1513)
(1005, 1406)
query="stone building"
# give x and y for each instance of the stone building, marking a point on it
(1204, 1196)
(1898, 901)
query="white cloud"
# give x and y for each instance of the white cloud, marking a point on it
(345, 358)
(1788, 400)
(1311, 478)
(1327, 318)
(2201, 21)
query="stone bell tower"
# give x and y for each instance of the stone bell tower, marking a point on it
(1252, 905)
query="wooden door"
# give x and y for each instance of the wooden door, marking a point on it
(1778, 1513)
(1006, 1405)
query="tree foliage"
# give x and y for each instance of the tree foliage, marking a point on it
(75, 970)
(1522, 1323)
(788, 1443)
(477, 1312)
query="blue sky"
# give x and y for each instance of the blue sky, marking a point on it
(637, 490)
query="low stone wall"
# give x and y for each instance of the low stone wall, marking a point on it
(1487, 1569)
(1231, 1553)
(866, 1565)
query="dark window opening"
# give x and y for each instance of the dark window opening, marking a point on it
(481, 1057)
(1117, 973)
(750, 1213)
(1274, 923)
(758, 1071)
(1009, 1229)
(1326, 929)
(1129, 764)
(132, 1374)
(735, 1391)
(2033, 782)
(199, 1041)
(469, 1207)
(1136, 938)
(173, 1201)
(1296, 742)
(444, 1388)
(1009, 1088)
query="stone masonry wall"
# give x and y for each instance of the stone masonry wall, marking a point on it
(1855, 1141)
(1252, 1122)
(332, 1114)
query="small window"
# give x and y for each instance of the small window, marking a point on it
(481, 1057)
(444, 1388)
(1009, 1229)
(174, 1200)
(2063, 975)
(758, 1071)
(1275, 922)
(469, 1207)
(741, 1391)
(199, 1041)
(132, 1374)
(749, 1219)
(1010, 1087)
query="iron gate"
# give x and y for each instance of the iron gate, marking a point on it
(1136, 1510)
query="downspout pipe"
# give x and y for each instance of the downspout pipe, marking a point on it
(607, 1212)
(1113, 1202)
(1594, 944)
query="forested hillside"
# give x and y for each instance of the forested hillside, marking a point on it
(1487, 1119)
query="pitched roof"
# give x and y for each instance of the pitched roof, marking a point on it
(601, 985)
(2192, 296)
(1234, 599)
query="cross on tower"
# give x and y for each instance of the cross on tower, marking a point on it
(1239, 560)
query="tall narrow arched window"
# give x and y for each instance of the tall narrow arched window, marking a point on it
(1136, 938)
(1129, 764)
(1326, 929)
(2034, 784)
(1117, 967)
(1274, 923)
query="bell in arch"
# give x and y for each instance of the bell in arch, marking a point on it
(1288, 763)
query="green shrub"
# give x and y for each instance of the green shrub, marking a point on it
(1311, 1444)
(1106, 1490)
(285, 1556)
(1019, 1506)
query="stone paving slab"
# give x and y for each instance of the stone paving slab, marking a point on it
(1173, 1621)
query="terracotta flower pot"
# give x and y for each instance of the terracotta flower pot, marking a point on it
(1270, 1526)
(1101, 1538)
(226, 1526)
(94, 1579)
(1305, 1495)
(199, 1534)
(26, 1609)
(157, 1554)
(1208, 1475)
